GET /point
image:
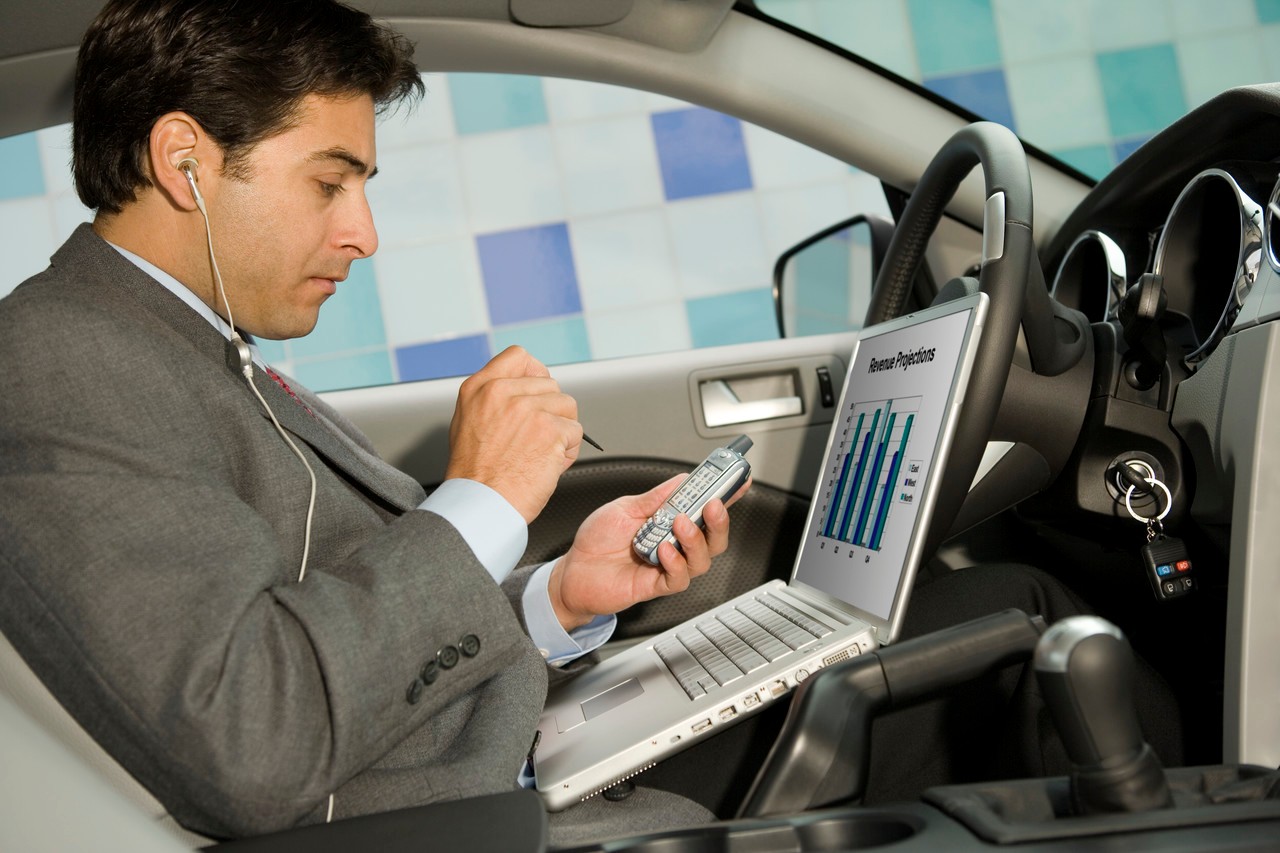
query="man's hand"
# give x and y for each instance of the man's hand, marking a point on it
(514, 430)
(601, 574)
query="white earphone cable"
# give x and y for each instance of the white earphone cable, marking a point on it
(247, 370)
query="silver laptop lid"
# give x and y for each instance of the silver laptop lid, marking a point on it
(892, 431)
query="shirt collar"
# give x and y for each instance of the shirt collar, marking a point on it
(184, 293)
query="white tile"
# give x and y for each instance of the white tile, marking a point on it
(623, 261)
(658, 103)
(417, 195)
(778, 161)
(1058, 103)
(607, 165)
(68, 214)
(1197, 17)
(511, 179)
(798, 13)
(638, 331)
(719, 244)
(791, 215)
(578, 100)
(26, 239)
(55, 158)
(866, 194)
(430, 292)
(1269, 35)
(1120, 24)
(1035, 30)
(1211, 64)
(430, 121)
(878, 30)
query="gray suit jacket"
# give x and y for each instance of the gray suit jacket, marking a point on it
(151, 522)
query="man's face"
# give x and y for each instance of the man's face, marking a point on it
(287, 234)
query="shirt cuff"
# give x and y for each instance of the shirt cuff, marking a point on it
(490, 526)
(545, 630)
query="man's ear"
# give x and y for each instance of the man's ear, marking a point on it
(174, 147)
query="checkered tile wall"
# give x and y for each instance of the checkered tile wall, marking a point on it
(586, 222)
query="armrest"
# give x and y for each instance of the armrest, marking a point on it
(514, 822)
(820, 757)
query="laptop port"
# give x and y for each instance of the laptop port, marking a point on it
(750, 700)
(728, 713)
(778, 688)
(839, 656)
(702, 725)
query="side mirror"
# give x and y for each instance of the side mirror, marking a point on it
(823, 283)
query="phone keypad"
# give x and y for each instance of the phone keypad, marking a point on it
(688, 498)
(696, 483)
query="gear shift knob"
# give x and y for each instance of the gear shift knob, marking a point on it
(1085, 668)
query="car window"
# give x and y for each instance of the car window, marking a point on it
(1088, 82)
(580, 220)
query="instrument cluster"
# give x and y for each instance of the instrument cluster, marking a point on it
(1207, 252)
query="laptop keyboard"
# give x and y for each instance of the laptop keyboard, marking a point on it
(738, 641)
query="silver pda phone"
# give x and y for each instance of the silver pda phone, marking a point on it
(719, 476)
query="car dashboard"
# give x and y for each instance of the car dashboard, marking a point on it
(1183, 236)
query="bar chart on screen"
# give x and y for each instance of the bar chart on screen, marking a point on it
(872, 472)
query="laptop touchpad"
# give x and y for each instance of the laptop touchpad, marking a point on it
(612, 698)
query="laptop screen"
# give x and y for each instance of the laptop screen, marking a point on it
(894, 423)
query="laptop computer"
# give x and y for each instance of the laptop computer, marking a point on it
(848, 589)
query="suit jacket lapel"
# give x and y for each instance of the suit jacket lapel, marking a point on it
(87, 248)
(342, 452)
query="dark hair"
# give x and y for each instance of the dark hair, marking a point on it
(239, 67)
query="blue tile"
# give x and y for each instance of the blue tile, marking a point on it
(350, 319)
(457, 357)
(529, 274)
(346, 371)
(733, 318)
(1123, 148)
(552, 342)
(487, 102)
(701, 152)
(21, 175)
(953, 35)
(983, 92)
(1094, 160)
(1142, 88)
(1268, 11)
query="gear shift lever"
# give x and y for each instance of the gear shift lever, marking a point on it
(1085, 668)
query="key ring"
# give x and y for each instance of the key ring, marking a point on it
(1168, 502)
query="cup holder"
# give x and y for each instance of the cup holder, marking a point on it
(855, 832)
(816, 833)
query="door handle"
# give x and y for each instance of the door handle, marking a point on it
(721, 406)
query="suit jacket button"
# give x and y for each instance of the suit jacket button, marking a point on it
(414, 693)
(448, 657)
(430, 671)
(470, 645)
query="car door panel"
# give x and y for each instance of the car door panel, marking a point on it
(647, 413)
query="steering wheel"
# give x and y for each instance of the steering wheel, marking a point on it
(1008, 250)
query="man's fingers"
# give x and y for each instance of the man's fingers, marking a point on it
(675, 575)
(697, 554)
(746, 487)
(715, 516)
(515, 361)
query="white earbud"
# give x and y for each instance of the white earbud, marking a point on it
(188, 166)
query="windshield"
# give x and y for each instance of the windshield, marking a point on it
(1087, 82)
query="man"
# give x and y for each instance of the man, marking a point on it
(261, 620)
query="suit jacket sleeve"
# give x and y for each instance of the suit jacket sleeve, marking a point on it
(154, 521)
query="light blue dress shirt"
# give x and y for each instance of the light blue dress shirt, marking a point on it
(491, 527)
